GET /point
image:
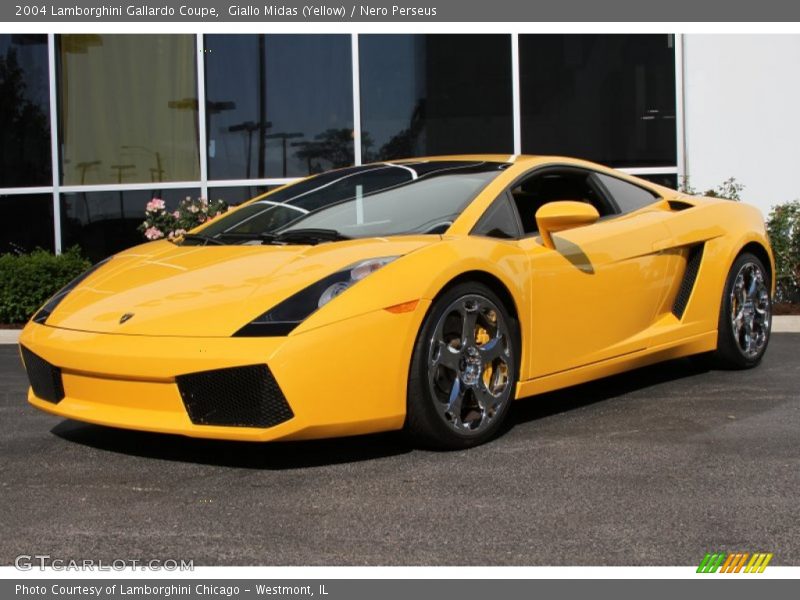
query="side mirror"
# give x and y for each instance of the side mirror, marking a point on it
(561, 215)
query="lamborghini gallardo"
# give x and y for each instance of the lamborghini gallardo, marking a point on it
(424, 295)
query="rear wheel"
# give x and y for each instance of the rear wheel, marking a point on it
(463, 371)
(745, 319)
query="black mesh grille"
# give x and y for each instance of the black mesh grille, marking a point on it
(689, 277)
(239, 396)
(45, 378)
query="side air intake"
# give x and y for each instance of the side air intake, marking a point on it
(678, 205)
(693, 261)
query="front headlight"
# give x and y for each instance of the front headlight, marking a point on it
(284, 317)
(47, 309)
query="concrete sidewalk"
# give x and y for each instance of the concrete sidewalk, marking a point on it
(781, 324)
(786, 324)
(9, 336)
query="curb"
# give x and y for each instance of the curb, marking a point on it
(9, 336)
(786, 324)
(780, 324)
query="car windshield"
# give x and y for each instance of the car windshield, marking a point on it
(368, 201)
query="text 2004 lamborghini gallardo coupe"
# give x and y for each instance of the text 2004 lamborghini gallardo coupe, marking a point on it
(422, 295)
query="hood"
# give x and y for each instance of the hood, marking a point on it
(202, 291)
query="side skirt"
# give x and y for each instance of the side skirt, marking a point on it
(704, 342)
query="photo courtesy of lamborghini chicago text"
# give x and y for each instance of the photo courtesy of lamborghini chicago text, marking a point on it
(437, 298)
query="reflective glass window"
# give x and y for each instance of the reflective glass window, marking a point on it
(103, 223)
(27, 223)
(278, 105)
(606, 98)
(128, 107)
(669, 180)
(435, 94)
(237, 195)
(24, 111)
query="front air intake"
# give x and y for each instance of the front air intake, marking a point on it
(45, 378)
(235, 397)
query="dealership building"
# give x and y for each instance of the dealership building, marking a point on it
(93, 126)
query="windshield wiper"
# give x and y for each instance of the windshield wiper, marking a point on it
(291, 236)
(309, 235)
(240, 235)
(199, 237)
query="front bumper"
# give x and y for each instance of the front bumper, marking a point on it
(347, 378)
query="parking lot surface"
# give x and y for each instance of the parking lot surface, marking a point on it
(654, 467)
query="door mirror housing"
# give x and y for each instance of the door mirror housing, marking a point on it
(562, 215)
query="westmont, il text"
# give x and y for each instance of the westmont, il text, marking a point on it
(167, 590)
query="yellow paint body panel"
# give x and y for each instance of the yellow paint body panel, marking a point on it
(597, 304)
(339, 388)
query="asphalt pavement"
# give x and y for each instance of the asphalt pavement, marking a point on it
(654, 467)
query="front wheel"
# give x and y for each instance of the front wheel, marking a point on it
(745, 319)
(463, 371)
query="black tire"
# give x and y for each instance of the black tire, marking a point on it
(451, 369)
(745, 321)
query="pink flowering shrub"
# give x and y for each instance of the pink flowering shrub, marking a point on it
(162, 223)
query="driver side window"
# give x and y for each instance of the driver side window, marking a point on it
(552, 185)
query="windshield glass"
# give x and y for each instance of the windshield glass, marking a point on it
(368, 201)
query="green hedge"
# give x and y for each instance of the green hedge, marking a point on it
(28, 280)
(783, 226)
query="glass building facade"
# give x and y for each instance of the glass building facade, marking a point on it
(93, 126)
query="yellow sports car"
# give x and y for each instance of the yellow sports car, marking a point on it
(423, 295)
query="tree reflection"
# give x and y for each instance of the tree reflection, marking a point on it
(405, 143)
(24, 128)
(331, 149)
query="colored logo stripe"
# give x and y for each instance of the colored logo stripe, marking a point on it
(733, 563)
(758, 563)
(711, 562)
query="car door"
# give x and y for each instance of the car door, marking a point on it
(596, 294)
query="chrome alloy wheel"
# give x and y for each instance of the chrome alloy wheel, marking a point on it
(750, 310)
(470, 364)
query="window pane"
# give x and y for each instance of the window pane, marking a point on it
(424, 205)
(435, 94)
(669, 180)
(607, 98)
(499, 221)
(28, 223)
(128, 108)
(553, 185)
(103, 223)
(284, 110)
(367, 201)
(236, 195)
(628, 197)
(24, 111)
